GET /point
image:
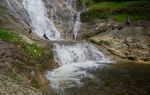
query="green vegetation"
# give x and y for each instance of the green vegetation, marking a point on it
(32, 50)
(91, 34)
(35, 83)
(118, 10)
(43, 66)
(16, 78)
(8, 36)
(100, 43)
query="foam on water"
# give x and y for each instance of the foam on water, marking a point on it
(74, 60)
(78, 52)
(70, 75)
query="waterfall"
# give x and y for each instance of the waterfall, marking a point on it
(77, 52)
(74, 17)
(74, 58)
(40, 23)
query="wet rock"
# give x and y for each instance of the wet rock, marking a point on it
(132, 58)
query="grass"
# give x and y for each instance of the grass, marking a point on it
(119, 10)
(123, 17)
(8, 36)
(35, 83)
(32, 50)
(91, 34)
(16, 78)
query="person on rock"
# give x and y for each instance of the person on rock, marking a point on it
(30, 30)
(128, 22)
(73, 37)
(45, 36)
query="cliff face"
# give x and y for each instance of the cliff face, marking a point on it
(13, 17)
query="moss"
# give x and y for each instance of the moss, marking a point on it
(15, 78)
(89, 35)
(50, 55)
(101, 42)
(104, 43)
(43, 67)
(35, 83)
(8, 36)
(123, 17)
(92, 34)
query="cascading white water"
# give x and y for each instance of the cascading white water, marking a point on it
(74, 60)
(77, 25)
(77, 53)
(40, 23)
(74, 18)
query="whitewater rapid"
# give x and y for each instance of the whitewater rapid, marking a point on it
(74, 60)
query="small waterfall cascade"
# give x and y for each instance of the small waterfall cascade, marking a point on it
(74, 18)
(74, 60)
(40, 23)
(77, 53)
(67, 15)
